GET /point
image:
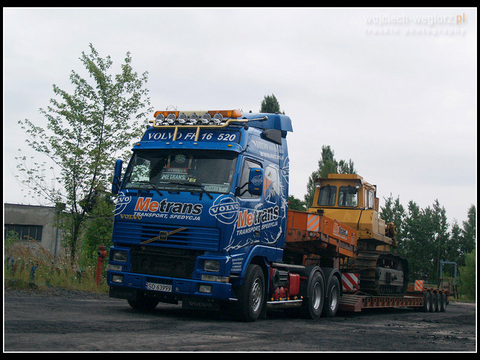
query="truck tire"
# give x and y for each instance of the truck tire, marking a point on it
(313, 293)
(438, 299)
(250, 295)
(143, 302)
(333, 299)
(435, 302)
(427, 305)
(443, 302)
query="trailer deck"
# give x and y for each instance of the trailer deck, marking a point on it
(356, 303)
(429, 299)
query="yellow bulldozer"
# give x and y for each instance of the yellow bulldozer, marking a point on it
(352, 201)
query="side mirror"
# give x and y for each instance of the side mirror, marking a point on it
(255, 181)
(117, 173)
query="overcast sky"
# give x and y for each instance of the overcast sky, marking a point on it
(393, 89)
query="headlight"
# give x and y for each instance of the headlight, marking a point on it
(119, 256)
(211, 265)
(114, 267)
(117, 279)
(206, 289)
(216, 278)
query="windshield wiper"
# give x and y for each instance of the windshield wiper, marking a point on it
(152, 185)
(187, 183)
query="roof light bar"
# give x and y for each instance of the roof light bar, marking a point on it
(194, 118)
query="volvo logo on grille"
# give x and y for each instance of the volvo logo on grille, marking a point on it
(163, 236)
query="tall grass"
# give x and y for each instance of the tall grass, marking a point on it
(29, 265)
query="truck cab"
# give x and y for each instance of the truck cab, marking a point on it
(203, 196)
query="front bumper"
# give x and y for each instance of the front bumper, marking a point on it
(124, 285)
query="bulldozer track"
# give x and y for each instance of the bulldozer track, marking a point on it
(369, 265)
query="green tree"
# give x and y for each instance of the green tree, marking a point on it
(414, 245)
(270, 105)
(97, 230)
(86, 130)
(467, 276)
(393, 212)
(326, 165)
(441, 235)
(424, 238)
(469, 232)
(453, 252)
(296, 204)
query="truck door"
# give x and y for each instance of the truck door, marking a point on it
(272, 193)
(248, 226)
(258, 220)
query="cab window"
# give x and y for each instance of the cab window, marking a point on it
(371, 200)
(327, 195)
(348, 196)
(247, 165)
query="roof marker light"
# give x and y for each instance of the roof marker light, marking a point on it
(217, 118)
(182, 118)
(171, 119)
(205, 119)
(160, 118)
(194, 119)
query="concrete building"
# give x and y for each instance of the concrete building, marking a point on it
(33, 222)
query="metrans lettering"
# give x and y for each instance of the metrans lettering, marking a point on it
(257, 217)
(164, 206)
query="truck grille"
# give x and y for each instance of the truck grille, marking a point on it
(195, 238)
(163, 262)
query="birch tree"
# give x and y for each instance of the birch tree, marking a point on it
(87, 129)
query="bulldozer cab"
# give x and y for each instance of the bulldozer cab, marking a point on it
(353, 201)
(345, 191)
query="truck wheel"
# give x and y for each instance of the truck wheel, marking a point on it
(313, 294)
(333, 300)
(427, 305)
(435, 304)
(251, 295)
(143, 302)
(438, 299)
(443, 302)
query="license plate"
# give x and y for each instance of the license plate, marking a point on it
(159, 287)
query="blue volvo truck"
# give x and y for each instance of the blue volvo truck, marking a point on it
(201, 215)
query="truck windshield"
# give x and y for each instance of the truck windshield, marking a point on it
(177, 170)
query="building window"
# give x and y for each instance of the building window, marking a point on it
(25, 232)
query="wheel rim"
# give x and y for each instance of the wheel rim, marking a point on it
(317, 296)
(333, 298)
(256, 295)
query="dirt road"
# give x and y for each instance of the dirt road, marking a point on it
(68, 321)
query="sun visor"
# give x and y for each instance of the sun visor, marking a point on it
(273, 121)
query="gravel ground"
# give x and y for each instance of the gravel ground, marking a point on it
(60, 320)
